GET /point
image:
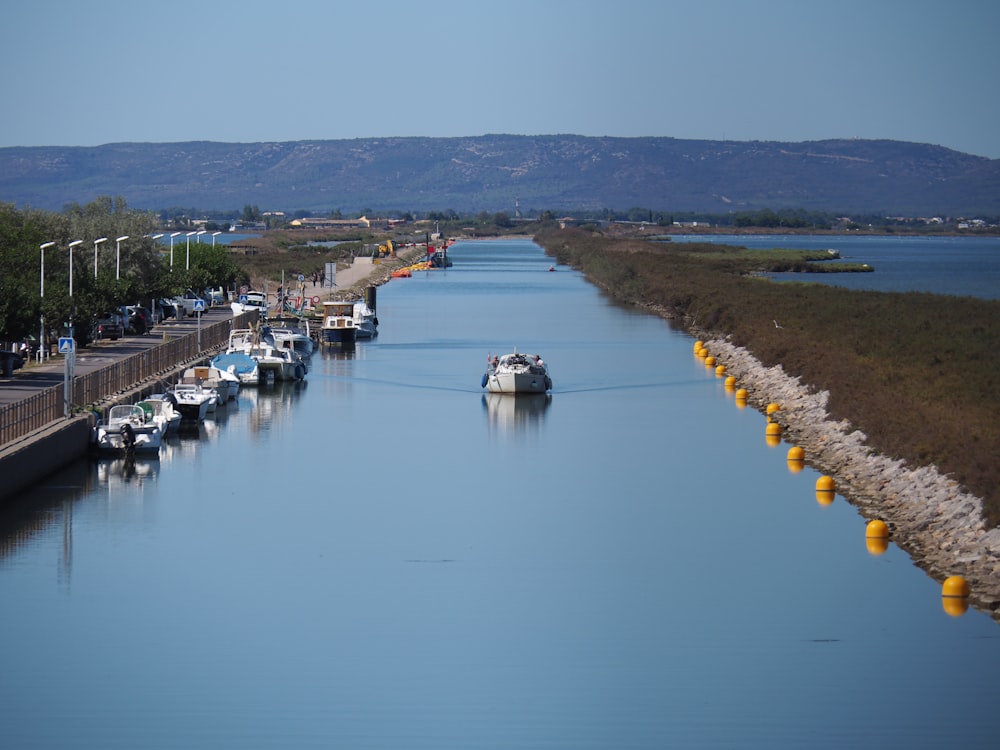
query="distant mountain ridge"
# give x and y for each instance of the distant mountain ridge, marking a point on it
(489, 172)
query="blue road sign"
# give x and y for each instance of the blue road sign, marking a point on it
(243, 299)
(199, 305)
(66, 345)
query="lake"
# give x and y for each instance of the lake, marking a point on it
(963, 266)
(383, 556)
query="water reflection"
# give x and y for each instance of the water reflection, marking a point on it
(117, 473)
(269, 405)
(508, 413)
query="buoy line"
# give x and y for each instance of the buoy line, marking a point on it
(938, 524)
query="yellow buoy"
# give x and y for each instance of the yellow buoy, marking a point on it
(877, 530)
(795, 467)
(741, 394)
(771, 408)
(698, 345)
(731, 382)
(720, 370)
(772, 435)
(955, 586)
(795, 453)
(701, 353)
(709, 361)
(825, 490)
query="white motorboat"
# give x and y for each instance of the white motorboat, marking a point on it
(160, 408)
(239, 364)
(365, 321)
(273, 362)
(516, 373)
(292, 334)
(225, 382)
(127, 431)
(250, 302)
(193, 401)
(277, 364)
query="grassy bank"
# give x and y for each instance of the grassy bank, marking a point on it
(917, 373)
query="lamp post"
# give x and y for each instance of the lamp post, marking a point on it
(197, 235)
(41, 294)
(73, 244)
(96, 243)
(175, 234)
(187, 262)
(214, 235)
(118, 255)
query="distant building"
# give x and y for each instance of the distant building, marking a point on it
(322, 223)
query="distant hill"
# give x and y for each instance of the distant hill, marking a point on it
(487, 173)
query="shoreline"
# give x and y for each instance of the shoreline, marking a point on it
(930, 517)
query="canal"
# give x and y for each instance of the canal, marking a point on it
(384, 557)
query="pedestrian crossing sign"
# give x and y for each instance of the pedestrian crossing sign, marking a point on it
(66, 345)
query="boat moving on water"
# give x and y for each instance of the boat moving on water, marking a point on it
(516, 373)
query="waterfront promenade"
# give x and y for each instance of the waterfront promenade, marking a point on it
(38, 437)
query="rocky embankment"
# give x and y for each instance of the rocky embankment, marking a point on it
(929, 516)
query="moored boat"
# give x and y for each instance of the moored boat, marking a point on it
(516, 373)
(273, 362)
(291, 333)
(338, 323)
(365, 320)
(239, 364)
(127, 431)
(193, 401)
(160, 408)
(225, 382)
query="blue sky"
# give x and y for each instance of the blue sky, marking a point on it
(105, 71)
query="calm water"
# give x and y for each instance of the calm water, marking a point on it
(964, 266)
(382, 557)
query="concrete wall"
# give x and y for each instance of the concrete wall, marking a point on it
(26, 462)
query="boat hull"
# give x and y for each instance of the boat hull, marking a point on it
(342, 336)
(513, 382)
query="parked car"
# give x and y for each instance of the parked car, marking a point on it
(171, 308)
(10, 361)
(189, 298)
(214, 297)
(138, 319)
(109, 325)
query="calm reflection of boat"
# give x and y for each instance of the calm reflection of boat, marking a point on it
(508, 411)
(124, 470)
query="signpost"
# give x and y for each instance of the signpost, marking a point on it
(199, 307)
(67, 346)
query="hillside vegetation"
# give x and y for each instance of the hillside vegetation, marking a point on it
(915, 372)
(565, 173)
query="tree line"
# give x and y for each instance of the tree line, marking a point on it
(117, 258)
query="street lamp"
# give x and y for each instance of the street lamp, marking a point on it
(96, 243)
(41, 293)
(187, 262)
(172, 249)
(73, 244)
(214, 235)
(118, 255)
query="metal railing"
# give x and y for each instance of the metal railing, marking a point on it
(34, 412)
